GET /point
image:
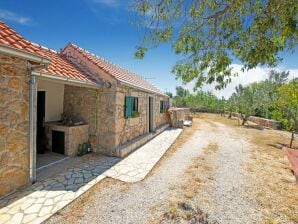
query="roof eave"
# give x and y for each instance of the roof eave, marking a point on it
(66, 80)
(140, 88)
(24, 54)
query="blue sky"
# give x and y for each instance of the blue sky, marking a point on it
(104, 28)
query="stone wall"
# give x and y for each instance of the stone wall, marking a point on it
(178, 115)
(80, 104)
(106, 140)
(103, 110)
(14, 124)
(160, 118)
(267, 123)
(95, 107)
(131, 128)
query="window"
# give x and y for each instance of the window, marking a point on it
(135, 104)
(163, 106)
(131, 107)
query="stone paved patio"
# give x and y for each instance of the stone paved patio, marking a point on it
(137, 165)
(43, 199)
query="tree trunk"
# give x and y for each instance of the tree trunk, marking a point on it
(292, 139)
(230, 115)
(243, 121)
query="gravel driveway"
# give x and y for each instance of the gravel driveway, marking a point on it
(113, 201)
(231, 203)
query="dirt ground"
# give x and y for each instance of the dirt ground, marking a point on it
(216, 172)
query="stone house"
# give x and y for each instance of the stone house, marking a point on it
(111, 107)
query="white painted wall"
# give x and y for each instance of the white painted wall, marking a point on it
(54, 98)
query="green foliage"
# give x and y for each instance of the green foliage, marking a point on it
(197, 100)
(180, 91)
(288, 103)
(248, 99)
(169, 94)
(135, 114)
(273, 98)
(209, 33)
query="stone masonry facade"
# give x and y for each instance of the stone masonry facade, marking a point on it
(103, 110)
(14, 123)
(130, 128)
(108, 128)
(95, 107)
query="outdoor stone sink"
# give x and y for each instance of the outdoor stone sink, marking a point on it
(73, 136)
(59, 123)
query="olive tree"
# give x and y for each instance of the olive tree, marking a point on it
(209, 34)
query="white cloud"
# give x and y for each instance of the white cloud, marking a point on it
(108, 3)
(254, 75)
(11, 16)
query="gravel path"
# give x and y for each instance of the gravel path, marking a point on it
(130, 203)
(231, 202)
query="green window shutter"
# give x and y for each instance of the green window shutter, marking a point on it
(163, 106)
(160, 106)
(128, 106)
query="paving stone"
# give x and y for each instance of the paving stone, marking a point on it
(14, 209)
(40, 200)
(87, 175)
(70, 181)
(33, 209)
(58, 198)
(68, 175)
(78, 180)
(77, 175)
(27, 203)
(38, 220)
(71, 187)
(68, 196)
(53, 194)
(45, 210)
(4, 217)
(29, 218)
(58, 185)
(48, 202)
(17, 218)
(143, 159)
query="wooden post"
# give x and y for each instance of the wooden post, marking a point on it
(292, 139)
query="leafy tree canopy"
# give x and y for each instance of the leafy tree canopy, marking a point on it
(180, 91)
(169, 94)
(288, 102)
(210, 33)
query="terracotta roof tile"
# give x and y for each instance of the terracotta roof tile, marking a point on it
(121, 74)
(59, 64)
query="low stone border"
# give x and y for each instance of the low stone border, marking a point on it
(132, 145)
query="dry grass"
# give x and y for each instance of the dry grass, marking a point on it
(272, 180)
(198, 176)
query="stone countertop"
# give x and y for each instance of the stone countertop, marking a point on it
(57, 123)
